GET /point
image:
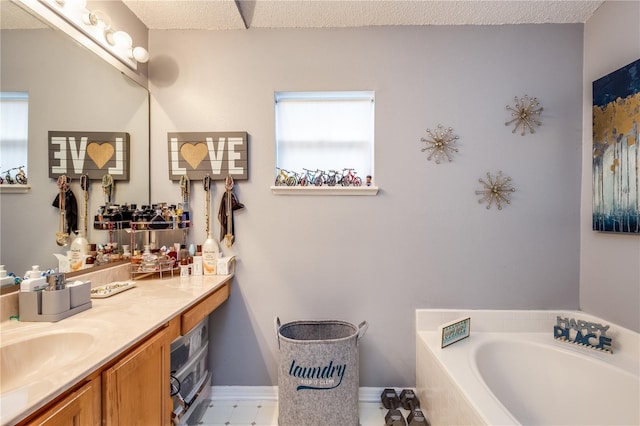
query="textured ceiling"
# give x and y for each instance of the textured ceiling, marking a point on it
(230, 14)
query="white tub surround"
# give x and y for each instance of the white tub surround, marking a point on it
(111, 327)
(512, 371)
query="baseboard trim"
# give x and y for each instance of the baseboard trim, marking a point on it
(239, 393)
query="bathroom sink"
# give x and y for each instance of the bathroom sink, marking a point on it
(31, 359)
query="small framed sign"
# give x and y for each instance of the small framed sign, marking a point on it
(91, 153)
(217, 154)
(455, 331)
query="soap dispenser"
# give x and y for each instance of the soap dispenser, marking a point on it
(5, 279)
(33, 280)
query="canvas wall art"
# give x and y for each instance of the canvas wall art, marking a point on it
(616, 154)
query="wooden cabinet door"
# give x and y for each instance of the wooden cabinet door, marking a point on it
(79, 408)
(136, 390)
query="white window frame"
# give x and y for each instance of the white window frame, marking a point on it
(325, 148)
(14, 131)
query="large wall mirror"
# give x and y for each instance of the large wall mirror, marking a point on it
(69, 89)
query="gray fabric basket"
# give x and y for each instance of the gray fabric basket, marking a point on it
(318, 374)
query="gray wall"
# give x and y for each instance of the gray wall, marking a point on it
(423, 241)
(609, 264)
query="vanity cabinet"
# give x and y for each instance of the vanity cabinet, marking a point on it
(135, 389)
(79, 407)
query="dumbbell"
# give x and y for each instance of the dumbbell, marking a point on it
(409, 400)
(390, 399)
(394, 418)
(416, 418)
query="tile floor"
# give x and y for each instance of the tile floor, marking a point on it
(265, 413)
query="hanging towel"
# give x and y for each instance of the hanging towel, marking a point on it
(70, 210)
(222, 213)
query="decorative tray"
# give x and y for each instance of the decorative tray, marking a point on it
(109, 290)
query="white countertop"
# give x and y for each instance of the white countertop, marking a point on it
(114, 324)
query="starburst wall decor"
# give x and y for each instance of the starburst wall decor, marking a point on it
(439, 143)
(496, 190)
(524, 114)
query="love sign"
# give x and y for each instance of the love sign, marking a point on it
(217, 154)
(92, 153)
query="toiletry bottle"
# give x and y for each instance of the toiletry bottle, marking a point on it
(77, 252)
(5, 278)
(183, 255)
(33, 280)
(34, 272)
(210, 255)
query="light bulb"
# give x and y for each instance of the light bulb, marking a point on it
(97, 18)
(122, 39)
(108, 35)
(80, 4)
(140, 54)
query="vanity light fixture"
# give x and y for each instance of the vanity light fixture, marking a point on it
(97, 26)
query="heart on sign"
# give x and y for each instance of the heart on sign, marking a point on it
(193, 153)
(100, 153)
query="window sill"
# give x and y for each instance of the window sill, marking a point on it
(324, 190)
(15, 188)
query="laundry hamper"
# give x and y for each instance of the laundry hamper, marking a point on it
(318, 373)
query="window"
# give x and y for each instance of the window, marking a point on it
(326, 131)
(14, 128)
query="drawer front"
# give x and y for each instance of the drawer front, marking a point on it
(203, 308)
(191, 376)
(183, 348)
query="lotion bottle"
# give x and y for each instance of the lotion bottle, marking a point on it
(210, 255)
(78, 251)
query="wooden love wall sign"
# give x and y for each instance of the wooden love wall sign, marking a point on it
(217, 154)
(92, 153)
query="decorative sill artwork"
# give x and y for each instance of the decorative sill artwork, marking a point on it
(454, 331)
(616, 154)
(582, 333)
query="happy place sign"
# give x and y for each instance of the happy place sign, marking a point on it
(217, 154)
(92, 153)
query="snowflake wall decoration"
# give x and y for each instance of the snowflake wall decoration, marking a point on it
(439, 143)
(524, 113)
(496, 190)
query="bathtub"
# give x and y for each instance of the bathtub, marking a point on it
(512, 371)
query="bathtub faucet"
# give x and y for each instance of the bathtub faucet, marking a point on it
(588, 334)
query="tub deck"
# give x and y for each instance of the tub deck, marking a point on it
(475, 381)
